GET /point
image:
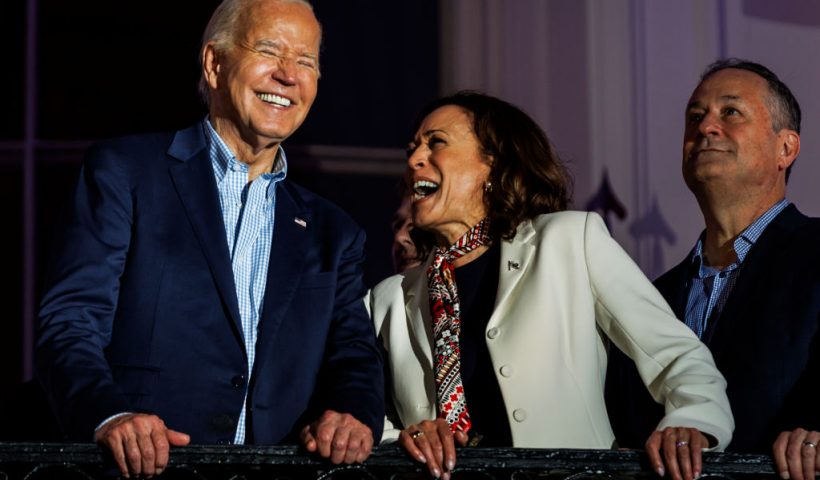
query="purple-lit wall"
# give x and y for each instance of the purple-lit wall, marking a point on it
(609, 79)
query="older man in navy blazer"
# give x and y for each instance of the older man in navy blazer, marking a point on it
(195, 286)
(750, 288)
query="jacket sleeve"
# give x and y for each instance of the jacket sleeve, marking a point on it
(386, 305)
(353, 374)
(78, 308)
(675, 366)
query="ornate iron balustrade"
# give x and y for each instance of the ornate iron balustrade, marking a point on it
(29, 461)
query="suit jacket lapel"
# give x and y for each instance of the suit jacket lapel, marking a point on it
(682, 279)
(516, 257)
(752, 272)
(194, 179)
(287, 260)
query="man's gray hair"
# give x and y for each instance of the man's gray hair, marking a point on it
(222, 29)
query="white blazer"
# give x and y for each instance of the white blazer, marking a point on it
(565, 287)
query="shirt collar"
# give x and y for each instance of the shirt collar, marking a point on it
(223, 157)
(744, 242)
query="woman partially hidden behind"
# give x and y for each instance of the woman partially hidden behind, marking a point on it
(500, 337)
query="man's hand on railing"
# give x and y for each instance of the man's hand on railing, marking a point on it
(339, 437)
(796, 454)
(432, 443)
(681, 448)
(139, 443)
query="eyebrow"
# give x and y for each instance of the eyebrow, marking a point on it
(278, 44)
(724, 98)
(414, 143)
(432, 131)
(267, 43)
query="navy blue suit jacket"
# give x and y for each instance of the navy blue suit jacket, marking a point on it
(140, 312)
(765, 342)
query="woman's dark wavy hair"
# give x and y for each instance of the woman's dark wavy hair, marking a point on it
(527, 176)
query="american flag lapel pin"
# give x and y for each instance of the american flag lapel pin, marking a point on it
(300, 222)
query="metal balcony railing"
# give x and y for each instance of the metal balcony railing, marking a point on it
(29, 461)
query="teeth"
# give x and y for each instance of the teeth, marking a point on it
(422, 188)
(274, 99)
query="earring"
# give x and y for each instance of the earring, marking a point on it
(488, 186)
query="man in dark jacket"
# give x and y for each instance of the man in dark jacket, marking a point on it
(750, 288)
(195, 286)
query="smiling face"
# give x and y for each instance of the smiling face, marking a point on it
(446, 172)
(263, 85)
(729, 143)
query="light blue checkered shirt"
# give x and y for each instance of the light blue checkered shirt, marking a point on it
(248, 211)
(710, 286)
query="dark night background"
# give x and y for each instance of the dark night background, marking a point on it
(111, 68)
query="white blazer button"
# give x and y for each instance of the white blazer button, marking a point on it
(506, 370)
(492, 333)
(519, 415)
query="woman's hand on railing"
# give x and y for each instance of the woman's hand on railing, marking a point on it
(432, 443)
(677, 451)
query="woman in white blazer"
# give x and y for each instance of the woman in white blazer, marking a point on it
(501, 336)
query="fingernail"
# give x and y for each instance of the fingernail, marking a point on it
(445, 476)
(421, 458)
(437, 473)
(451, 464)
(697, 475)
(784, 475)
(660, 471)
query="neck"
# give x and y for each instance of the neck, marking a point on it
(447, 235)
(260, 157)
(724, 223)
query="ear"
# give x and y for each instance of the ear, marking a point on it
(788, 148)
(210, 65)
(489, 158)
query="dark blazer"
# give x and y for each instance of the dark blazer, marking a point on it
(140, 312)
(765, 341)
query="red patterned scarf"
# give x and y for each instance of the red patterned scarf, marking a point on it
(445, 311)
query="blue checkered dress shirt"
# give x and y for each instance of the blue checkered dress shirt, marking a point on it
(248, 211)
(711, 287)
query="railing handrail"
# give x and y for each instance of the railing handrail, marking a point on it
(630, 462)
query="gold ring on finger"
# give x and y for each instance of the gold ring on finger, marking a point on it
(809, 444)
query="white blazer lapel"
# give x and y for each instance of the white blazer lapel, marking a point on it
(421, 403)
(417, 309)
(516, 257)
